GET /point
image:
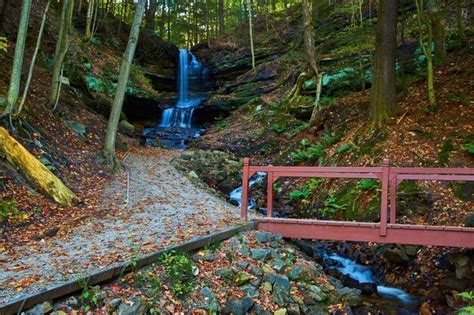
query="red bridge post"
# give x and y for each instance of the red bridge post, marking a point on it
(245, 192)
(384, 197)
(269, 193)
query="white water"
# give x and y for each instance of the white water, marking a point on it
(363, 274)
(236, 194)
(181, 115)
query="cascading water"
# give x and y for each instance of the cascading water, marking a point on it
(175, 127)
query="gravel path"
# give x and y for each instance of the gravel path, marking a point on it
(164, 208)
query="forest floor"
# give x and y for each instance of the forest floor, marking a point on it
(162, 208)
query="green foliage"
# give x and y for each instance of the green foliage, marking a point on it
(366, 184)
(149, 281)
(314, 151)
(8, 210)
(306, 191)
(469, 296)
(3, 44)
(277, 127)
(331, 138)
(179, 272)
(469, 148)
(221, 125)
(291, 133)
(461, 97)
(446, 149)
(331, 206)
(90, 294)
(346, 147)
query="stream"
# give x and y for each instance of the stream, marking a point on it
(176, 129)
(387, 299)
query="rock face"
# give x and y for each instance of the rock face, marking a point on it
(217, 169)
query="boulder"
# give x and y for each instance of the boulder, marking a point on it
(135, 307)
(281, 290)
(304, 273)
(241, 278)
(42, 308)
(238, 306)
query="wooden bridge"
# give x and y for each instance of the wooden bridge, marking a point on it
(387, 231)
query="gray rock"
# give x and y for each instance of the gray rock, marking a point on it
(243, 264)
(279, 265)
(462, 264)
(42, 308)
(260, 254)
(316, 293)
(281, 290)
(256, 271)
(78, 128)
(241, 278)
(259, 310)
(72, 302)
(304, 273)
(238, 306)
(263, 237)
(396, 256)
(210, 301)
(293, 309)
(115, 303)
(243, 250)
(225, 273)
(136, 308)
(250, 291)
(349, 296)
(126, 127)
(205, 255)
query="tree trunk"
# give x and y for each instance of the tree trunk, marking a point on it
(34, 170)
(108, 151)
(14, 88)
(459, 23)
(425, 43)
(208, 35)
(252, 51)
(383, 92)
(33, 59)
(60, 52)
(150, 15)
(3, 6)
(221, 18)
(437, 25)
(90, 13)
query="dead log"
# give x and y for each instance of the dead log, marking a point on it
(36, 173)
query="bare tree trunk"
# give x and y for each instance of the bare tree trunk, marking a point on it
(108, 152)
(60, 52)
(150, 15)
(208, 35)
(221, 18)
(252, 51)
(33, 59)
(459, 23)
(383, 92)
(14, 88)
(90, 13)
(426, 38)
(437, 24)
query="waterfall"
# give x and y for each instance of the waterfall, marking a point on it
(190, 69)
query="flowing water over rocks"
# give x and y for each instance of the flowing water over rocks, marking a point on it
(175, 129)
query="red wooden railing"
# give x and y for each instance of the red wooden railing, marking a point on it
(387, 231)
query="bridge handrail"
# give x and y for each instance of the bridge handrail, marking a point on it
(390, 178)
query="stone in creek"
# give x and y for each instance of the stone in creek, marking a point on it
(279, 265)
(349, 296)
(241, 278)
(281, 289)
(260, 254)
(42, 308)
(396, 256)
(238, 306)
(136, 307)
(462, 263)
(316, 293)
(263, 237)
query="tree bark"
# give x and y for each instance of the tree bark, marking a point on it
(34, 170)
(383, 92)
(90, 13)
(426, 38)
(33, 59)
(459, 23)
(221, 18)
(3, 6)
(150, 15)
(14, 88)
(252, 51)
(108, 152)
(437, 25)
(60, 52)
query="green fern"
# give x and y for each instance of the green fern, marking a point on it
(469, 148)
(3, 44)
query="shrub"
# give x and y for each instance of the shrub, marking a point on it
(314, 151)
(346, 147)
(469, 148)
(179, 272)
